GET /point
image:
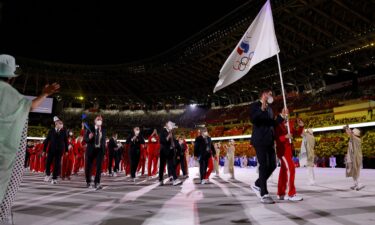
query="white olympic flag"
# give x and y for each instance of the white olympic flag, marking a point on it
(257, 44)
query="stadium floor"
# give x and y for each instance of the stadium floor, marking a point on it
(220, 202)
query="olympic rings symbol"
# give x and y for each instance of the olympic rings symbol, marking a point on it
(243, 62)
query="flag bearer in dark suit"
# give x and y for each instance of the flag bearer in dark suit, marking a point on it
(263, 140)
(95, 139)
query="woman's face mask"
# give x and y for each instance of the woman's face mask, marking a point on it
(136, 132)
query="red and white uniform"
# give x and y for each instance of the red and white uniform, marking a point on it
(153, 150)
(68, 159)
(38, 156)
(79, 153)
(284, 153)
(32, 152)
(42, 159)
(142, 159)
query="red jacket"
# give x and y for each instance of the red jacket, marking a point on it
(281, 130)
(153, 146)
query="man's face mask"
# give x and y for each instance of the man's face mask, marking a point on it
(205, 133)
(136, 132)
(170, 126)
(59, 125)
(270, 99)
(99, 122)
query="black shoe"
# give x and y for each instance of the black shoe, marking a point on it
(88, 185)
(161, 183)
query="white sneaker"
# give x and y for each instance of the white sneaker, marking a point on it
(359, 187)
(282, 197)
(47, 178)
(177, 182)
(115, 174)
(89, 185)
(295, 198)
(256, 190)
(54, 181)
(353, 187)
(311, 183)
(203, 181)
(266, 199)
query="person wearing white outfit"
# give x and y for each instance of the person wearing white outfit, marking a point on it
(354, 157)
(308, 145)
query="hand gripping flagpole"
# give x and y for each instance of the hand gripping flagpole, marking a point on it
(283, 92)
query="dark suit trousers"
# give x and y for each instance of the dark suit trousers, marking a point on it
(134, 160)
(203, 164)
(267, 164)
(90, 157)
(171, 166)
(55, 157)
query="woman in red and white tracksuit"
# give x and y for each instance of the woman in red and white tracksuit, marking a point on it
(284, 153)
(153, 150)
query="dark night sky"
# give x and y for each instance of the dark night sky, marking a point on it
(103, 32)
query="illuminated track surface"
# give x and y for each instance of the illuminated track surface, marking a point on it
(220, 202)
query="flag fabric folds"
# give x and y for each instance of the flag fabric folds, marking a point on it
(257, 44)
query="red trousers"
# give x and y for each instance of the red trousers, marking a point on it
(153, 157)
(287, 170)
(32, 162)
(78, 163)
(37, 163)
(67, 165)
(210, 167)
(42, 164)
(126, 163)
(142, 164)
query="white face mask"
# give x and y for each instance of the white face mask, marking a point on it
(205, 133)
(136, 132)
(70, 133)
(270, 100)
(99, 122)
(171, 126)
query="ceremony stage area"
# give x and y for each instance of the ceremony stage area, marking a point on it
(220, 202)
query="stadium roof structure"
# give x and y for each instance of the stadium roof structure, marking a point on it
(315, 37)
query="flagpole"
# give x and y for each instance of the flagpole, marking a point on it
(283, 93)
